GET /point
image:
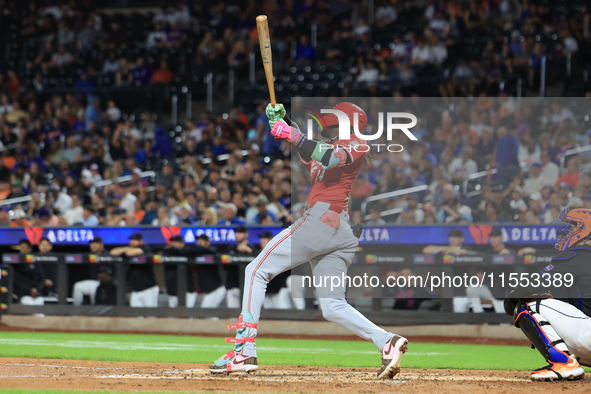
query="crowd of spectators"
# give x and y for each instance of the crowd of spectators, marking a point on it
(485, 160)
(64, 159)
(507, 40)
(474, 46)
(65, 154)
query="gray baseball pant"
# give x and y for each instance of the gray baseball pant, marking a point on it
(330, 252)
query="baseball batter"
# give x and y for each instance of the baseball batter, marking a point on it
(322, 237)
(558, 322)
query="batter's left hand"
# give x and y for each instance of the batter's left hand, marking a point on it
(275, 113)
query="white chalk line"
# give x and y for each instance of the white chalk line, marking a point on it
(182, 347)
(227, 378)
(202, 376)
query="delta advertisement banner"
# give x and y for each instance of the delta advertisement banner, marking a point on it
(383, 235)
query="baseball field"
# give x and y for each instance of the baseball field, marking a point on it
(42, 362)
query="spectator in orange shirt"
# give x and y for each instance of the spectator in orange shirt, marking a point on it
(572, 174)
(163, 74)
(4, 190)
(19, 219)
(8, 160)
(138, 210)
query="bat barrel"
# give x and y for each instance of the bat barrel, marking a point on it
(266, 53)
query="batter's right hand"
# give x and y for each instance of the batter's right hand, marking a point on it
(275, 113)
(282, 131)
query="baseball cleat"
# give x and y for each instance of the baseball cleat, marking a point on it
(391, 356)
(238, 363)
(234, 361)
(559, 371)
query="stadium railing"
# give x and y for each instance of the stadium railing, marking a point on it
(126, 178)
(476, 177)
(572, 152)
(385, 196)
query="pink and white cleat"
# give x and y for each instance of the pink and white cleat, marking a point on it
(391, 356)
(238, 363)
(235, 360)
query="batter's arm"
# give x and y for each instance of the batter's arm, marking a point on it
(319, 151)
(282, 127)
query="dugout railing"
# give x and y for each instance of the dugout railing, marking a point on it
(372, 264)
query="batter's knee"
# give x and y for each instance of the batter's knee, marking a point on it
(331, 308)
(255, 269)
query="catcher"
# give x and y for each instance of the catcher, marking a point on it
(558, 322)
(322, 237)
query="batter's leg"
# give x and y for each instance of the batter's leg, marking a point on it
(335, 307)
(275, 258)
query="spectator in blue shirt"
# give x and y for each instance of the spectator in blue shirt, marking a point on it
(151, 212)
(305, 51)
(507, 156)
(141, 74)
(264, 216)
(229, 212)
(89, 218)
(175, 36)
(85, 84)
(93, 113)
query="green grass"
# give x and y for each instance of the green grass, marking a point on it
(190, 349)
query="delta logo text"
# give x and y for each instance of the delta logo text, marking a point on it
(386, 122)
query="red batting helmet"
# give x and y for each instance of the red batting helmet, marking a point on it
(350, 109)
(578, 227)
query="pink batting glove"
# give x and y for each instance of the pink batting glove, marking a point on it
(282, 131)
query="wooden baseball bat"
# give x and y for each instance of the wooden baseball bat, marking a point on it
(266, 54)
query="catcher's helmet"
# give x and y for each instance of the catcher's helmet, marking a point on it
(350, 109)
(578, 227)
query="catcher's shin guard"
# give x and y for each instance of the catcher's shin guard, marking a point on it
(562, 365)
(246, 332)
(541, 334)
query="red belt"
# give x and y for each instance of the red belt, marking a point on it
(334, 207)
